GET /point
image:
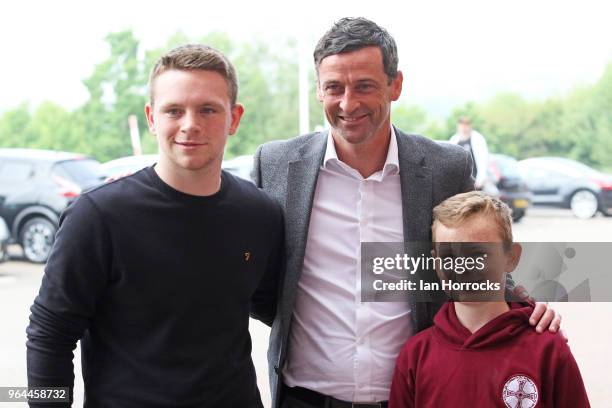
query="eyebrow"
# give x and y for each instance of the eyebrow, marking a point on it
(202, 105)
(331, 82)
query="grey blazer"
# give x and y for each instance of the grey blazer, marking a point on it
(287, 170)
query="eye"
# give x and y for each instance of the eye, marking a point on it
(333, 89)
(207, 110)
(173, 112)
(365, 87)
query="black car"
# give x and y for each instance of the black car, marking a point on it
(35, 187)
(513, 190)
(566, 183)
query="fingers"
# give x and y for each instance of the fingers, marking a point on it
(545, 321)
(556, 324)
(537, 313)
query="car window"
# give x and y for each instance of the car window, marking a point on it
(507, 166)
(83, 171)
(16, 171)
(562, 167)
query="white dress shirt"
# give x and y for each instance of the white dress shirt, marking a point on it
(338, 345)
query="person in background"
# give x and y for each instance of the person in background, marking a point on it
(476, 145)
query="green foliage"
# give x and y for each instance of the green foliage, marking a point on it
(578, 125)
(410, 119)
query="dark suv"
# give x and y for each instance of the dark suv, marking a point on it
(35, 187)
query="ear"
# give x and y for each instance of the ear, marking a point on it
(237, 112)
(514, 257)
(396, 86)
(150, 118)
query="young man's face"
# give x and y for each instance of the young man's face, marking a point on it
(191, 117)
(478, 236)
(356, 94)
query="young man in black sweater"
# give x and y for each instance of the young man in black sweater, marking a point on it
(156, 273)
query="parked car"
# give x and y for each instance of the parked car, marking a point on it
(569, 184)
(513, 190)
(126, 165)
(35, 187)
(240, 166)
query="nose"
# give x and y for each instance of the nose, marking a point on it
(349, 101)
(191, 122)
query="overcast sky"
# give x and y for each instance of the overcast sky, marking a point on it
(450, 51)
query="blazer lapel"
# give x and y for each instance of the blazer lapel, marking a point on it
(416, 181)
(301, 184)
(417, 201)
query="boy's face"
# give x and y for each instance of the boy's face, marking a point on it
(477, 237)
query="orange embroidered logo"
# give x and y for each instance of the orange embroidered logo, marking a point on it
(247, 256)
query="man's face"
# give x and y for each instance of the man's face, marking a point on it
(357, 95)
(464, 128)
(191, 118)
(478, 236)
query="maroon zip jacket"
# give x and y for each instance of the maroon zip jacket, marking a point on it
(503, 364)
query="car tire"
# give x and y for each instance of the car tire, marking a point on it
(584, 204)
(4, 256)
(517, 215)
(36, 238)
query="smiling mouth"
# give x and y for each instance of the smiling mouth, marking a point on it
(189, 144)
(352, 119)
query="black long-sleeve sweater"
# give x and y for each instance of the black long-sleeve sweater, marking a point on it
(158, 286)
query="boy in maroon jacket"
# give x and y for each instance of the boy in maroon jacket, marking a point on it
(484, 353)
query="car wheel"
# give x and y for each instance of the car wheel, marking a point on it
(517, 215)
(3, 252)
(584, 204)
(37, 237)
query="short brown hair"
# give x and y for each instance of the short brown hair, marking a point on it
(458, 208)
(196, 56)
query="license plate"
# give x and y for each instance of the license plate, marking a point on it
(520, 203)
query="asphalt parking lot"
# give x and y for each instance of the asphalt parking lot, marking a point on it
(586, 324)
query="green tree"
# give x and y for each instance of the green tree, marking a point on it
(117, 89)
(410, 119)
(14, 127)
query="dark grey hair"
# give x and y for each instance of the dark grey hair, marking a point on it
(352, 34)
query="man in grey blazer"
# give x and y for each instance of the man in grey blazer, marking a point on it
(364, 180)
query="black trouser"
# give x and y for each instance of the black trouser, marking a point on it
(298, 397)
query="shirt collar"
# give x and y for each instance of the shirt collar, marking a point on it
(391, 165)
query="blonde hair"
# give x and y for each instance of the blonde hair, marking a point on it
(458, 208)
(196, 56)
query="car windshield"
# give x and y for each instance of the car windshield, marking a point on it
(84, 172)
(564, 166)
(575, 166)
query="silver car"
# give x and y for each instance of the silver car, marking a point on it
(569, 184)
